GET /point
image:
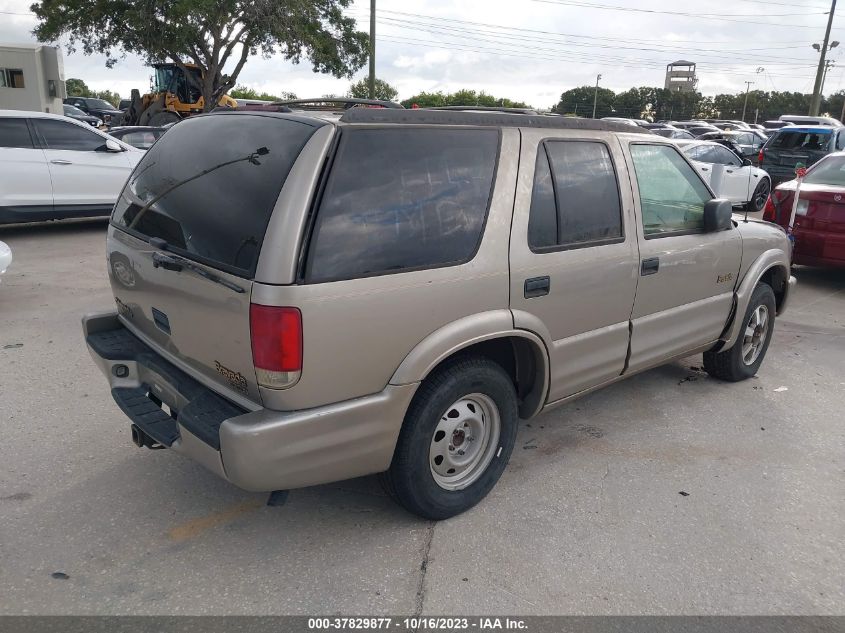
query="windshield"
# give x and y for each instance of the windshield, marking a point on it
(69, 109)
(100, 104)
(830, 171)
(208, 200)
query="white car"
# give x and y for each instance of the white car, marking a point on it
(5, 257)
(729, 175)
(54, 167)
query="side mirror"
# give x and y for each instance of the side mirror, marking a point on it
(717, 215)
(746, 162)
(111, 146)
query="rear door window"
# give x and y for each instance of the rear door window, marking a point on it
(402, 199)
(208, 186)
(14, 133)
(575, 200)
(68, 136)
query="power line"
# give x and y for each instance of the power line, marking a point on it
(495, 36)
(589, 37)
(703, 16)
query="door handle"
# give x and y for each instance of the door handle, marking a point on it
(58, 161)
(705, 169)
(730, 171)
(537, 287)
(649, 266)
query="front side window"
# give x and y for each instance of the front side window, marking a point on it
(14, 133)
(402, 198)
(672, 196)
(67, 136)
(725, 157)
(575, 199)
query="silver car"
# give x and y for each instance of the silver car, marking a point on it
(392, 291)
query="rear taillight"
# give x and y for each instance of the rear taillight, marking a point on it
(760, 158)
(769, 210)
(774, 210)
(276, 345)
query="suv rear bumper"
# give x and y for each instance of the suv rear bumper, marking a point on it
(259, 450)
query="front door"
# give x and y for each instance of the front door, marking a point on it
(83, 175)
(573, 254)
(686, 276)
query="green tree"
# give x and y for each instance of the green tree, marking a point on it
(579, 101)
(461, 98)
(76, 88)
(107, 95)
(213, 34)
(361, 90)
(243, 92)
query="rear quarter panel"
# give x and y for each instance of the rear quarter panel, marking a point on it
(357, 332)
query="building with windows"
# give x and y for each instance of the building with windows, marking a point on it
(680, 76)
(32, 77)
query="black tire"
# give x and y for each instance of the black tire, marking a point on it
(163, 118)
(761, 194)
(410, 480)
(730, 364)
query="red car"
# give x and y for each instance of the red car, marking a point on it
(819, 226)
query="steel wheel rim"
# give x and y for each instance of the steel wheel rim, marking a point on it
(464, 441)
(762, 195)
(755, 334)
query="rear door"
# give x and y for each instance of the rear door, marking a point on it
(186, 234)
(573, 254)
(24, 176)
(686, 276)
(83, 174)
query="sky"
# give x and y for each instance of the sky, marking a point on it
(533, 50)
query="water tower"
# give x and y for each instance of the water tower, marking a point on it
(680, 76)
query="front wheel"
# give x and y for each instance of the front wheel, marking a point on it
(456, 440)
(744, 359)
(761, 195)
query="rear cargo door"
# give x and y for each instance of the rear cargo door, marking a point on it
(186, 234)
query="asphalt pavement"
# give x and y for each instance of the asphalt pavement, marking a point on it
(668, 493)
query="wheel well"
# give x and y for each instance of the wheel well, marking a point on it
(522, 361)
(777, 278)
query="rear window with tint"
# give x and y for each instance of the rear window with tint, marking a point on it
(800, 140)
(830, 171)
(403, 198)
(209, 185)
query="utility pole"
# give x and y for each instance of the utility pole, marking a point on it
(745, 103)
(596, 93)
(817, 88)
(371, 89)
(828, 64)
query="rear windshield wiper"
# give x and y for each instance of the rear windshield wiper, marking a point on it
(174, 262)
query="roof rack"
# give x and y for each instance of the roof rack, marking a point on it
(483, 109)
(427, 116)
(324, 103)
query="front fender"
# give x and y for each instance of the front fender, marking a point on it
(772, 258)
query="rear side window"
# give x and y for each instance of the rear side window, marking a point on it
(800, 140)
(575, 200)
(402, 199)
(68, 136)
(14, 133)
(209, 185)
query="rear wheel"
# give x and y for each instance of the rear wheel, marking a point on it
(761, 194)
(456, 440)
(744, 359)
(163, 118)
